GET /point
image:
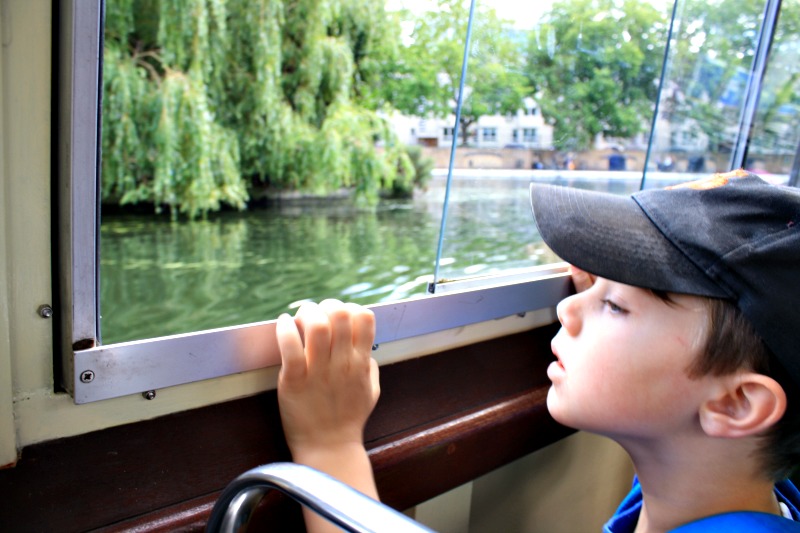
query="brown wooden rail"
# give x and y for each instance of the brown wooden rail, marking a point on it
(442, 420)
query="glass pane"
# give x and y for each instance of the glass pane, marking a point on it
(287, 109)
(556, 92)
(775, 140)
(707, 76)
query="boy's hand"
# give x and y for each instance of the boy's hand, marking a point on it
(581, 279)
(328, 384)
(327, 388)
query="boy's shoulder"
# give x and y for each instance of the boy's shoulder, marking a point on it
(624, 520)
(740, 522)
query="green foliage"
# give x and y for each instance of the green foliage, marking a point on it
(207, 100)
(426, 77)
(415, 176)
(594, 66)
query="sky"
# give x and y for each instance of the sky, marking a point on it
(524, 13)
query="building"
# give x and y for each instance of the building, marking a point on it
(525, 129)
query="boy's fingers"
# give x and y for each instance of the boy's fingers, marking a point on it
(374, 376)
(317, 337)
(341, 331)
(581, 279)
(363, 328)
(293, 359)
(303, 311)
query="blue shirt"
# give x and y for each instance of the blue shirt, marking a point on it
(627, 515)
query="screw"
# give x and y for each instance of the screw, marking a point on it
(375, 347)
(45, 311)
(87, 376)
(149, 395)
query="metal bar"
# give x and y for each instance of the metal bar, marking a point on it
(794, 173)
(760, 60)
(656, 110)
(330, 498)
(78, 148)
(459, 103)
(117, 370)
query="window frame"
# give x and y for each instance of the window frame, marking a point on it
(92, 371)
(79, 72)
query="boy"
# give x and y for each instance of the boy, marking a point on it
(683, 345)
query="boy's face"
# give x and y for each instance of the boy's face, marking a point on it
(623, 355)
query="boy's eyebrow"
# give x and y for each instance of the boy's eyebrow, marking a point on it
(664, 296)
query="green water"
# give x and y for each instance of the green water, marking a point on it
(159, 277)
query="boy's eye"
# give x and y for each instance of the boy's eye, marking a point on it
(614, 308)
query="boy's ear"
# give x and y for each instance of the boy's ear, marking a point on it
(746, 404)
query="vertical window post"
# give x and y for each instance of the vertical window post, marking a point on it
(79, 74)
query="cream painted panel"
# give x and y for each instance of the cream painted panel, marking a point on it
(571, 486)
(448, 512)
(8, 452)
(26, 147)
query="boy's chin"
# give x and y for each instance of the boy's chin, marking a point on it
(555, 408)
(561, 413)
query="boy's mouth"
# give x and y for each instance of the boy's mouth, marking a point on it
(556, 369)
(555, 354)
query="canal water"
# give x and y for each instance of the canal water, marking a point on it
(160, 277)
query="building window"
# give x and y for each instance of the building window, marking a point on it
(529, 135)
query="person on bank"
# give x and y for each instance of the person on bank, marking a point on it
(682, 344)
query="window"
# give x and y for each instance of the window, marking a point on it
(485, 230)
(529, 135)
(703, 107)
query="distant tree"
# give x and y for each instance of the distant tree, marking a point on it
(425, 79)
(594, 66)
(206, 101)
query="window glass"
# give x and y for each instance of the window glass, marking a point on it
(561, 92)
(290, 109)
(775, 141)
(334, 125)
(594, 69)
(712, 66)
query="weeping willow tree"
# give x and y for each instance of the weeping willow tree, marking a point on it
(207, 102)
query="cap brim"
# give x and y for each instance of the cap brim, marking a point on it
(610, 236)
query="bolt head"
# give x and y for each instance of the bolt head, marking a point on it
(149, 395)
(45, 311)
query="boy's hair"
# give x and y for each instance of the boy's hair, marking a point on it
(731, 345)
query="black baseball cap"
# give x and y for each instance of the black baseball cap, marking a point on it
(731, 236)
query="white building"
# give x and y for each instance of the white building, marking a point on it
(525, 129)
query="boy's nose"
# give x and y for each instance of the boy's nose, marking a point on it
(568, 314)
